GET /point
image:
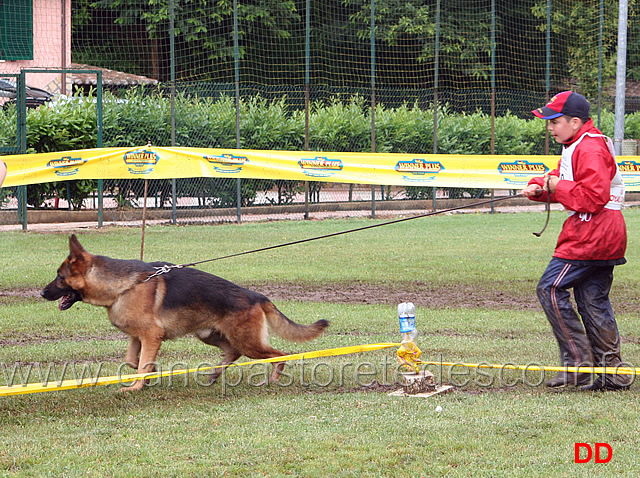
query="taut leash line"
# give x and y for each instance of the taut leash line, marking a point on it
(167, 268)
(340, 233)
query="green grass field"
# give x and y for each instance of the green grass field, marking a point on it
(333, 416)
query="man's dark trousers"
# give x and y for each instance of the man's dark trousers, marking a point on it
(594, 339)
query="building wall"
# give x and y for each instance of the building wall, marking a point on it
(51, 49)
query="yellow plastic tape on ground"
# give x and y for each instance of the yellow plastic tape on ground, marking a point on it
(539, 368)
(39, 387)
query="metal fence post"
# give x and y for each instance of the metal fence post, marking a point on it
(621, 77)
(99, 144)
(307, 66)
(172, 48)
(436, 74)
(236, 55)
(373, 99)
(22, 147)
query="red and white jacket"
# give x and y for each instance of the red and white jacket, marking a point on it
(592, 191)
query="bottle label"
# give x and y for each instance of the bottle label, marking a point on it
(407, 324)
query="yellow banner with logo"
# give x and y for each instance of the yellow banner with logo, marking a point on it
(436, 170)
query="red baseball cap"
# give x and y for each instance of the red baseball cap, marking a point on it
(565, 103)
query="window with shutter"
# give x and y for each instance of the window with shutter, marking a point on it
(16, 29)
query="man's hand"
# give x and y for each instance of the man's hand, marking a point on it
(3, 171)
(551, 183)
(531, 190)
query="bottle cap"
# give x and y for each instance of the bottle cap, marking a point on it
(406, 309)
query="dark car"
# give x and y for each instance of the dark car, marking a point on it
(34, 96)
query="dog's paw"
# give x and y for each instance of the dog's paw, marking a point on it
(135, 387)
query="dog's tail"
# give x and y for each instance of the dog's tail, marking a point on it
(287, 329)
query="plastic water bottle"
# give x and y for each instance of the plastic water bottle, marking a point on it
(407, 318)
(408, 353)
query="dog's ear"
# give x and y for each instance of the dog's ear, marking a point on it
(76, 251)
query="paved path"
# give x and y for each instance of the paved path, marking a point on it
(381, 214)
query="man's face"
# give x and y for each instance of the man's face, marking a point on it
(563, 129)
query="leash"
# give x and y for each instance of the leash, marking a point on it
(547, 207)
(167, 268)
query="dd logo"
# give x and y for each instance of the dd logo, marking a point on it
(590, 453)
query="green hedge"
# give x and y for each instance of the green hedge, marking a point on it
(142, 116)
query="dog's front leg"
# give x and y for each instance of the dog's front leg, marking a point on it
(133, 352)
(277, 370)
(147, 364)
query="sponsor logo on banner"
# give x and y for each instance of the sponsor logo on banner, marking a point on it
(227, 163)
(519, 172)
(141, 161)
(66, 166)
(630, 171)
(320, 167)
(419, 169)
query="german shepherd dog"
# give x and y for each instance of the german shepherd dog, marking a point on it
(173, 304)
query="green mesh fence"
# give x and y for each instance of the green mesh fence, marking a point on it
(348, 75)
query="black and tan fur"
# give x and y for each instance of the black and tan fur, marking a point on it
(180, 302)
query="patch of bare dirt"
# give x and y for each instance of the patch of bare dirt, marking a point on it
(421, 294)
(34, 338)
(425, 295)
(25, 292)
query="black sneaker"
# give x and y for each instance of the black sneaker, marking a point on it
(569, 378)
(602, 384)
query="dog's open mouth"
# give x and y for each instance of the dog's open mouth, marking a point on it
(68, 300)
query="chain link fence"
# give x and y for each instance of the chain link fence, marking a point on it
(367, 76)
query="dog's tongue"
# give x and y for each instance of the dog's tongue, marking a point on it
(64, 302)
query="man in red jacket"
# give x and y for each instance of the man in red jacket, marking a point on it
(593, 240)
(3, 171)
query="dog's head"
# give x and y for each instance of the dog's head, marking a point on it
(69, 283)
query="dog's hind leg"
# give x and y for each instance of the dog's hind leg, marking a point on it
(265, 351)
(250, 337)
(213, 337)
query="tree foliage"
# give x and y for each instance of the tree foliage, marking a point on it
(573, 22)
(468, 51)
